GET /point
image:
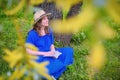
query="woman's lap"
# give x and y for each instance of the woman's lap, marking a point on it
(57, 66)
(67, 55)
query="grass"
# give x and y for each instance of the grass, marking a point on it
(77, 71)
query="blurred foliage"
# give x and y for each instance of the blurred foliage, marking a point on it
(98, 21)
(78, 38)
(20, 61)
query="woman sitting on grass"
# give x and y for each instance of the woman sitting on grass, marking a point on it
(42, 37)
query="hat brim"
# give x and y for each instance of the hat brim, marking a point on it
(47, 14)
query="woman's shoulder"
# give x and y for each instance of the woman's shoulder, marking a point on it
(32, 32)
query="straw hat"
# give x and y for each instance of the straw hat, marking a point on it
(39, 15)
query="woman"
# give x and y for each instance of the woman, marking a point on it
(41, 36)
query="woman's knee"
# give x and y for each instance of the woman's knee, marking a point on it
(70, 49)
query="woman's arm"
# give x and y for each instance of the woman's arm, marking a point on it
(33, 52)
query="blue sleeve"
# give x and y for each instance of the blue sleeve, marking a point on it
(52, 36)
(31, 37)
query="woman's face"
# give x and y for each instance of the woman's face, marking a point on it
(45, 21)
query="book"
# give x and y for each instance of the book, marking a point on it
(57, 54)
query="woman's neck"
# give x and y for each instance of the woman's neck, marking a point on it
(42, 28)
(42, 31)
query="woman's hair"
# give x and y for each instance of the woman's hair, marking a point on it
(37, 27)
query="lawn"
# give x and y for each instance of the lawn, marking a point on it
(77, 71)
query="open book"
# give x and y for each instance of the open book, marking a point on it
(57, 54)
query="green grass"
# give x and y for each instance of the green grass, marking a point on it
(77, 71)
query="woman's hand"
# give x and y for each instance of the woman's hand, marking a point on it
(50, 53)
(52, 48)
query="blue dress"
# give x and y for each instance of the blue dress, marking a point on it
(56, 66)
